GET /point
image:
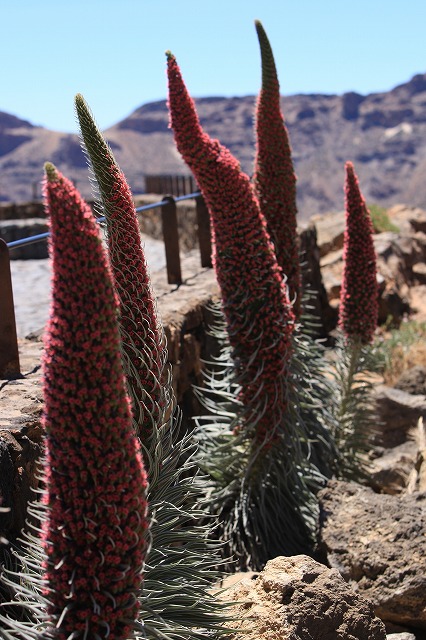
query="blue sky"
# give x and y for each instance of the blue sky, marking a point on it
(112, 51)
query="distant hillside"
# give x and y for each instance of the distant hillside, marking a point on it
(384, 134)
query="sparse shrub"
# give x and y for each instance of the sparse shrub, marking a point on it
(400, 349)
(380, 219)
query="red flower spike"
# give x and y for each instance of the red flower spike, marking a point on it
(95, 479)
(359, 293)
(259, 316)
(274, 178)
(142, 337)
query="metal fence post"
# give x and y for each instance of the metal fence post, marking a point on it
(204, 232)
(9, 353)
(171, 239)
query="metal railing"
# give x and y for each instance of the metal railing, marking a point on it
(9, 353)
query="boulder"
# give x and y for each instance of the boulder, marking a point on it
(418, 302)
(413, 381)
(296, 598)
(408, 219)
(417, 480)
(390, 471)
(398, 253)
(378, 544)
(398, 412)
(393, 305)
(419, 273)
(330, 230)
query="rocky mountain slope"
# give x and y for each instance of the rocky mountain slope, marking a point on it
(384, 134)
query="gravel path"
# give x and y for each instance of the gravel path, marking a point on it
(31, 286)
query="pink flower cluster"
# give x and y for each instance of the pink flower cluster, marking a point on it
(255, 302)
(274, 178)
(359, 293)
(143, 346)
(95, 479)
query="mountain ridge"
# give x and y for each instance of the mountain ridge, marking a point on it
(383, 134)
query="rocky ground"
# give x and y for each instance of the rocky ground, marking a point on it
(369, 576)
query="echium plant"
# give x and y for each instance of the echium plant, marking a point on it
(274, 182)
(176, 602)
(245, 264)
(180, 570)
(142, 337)
(358, 312)
(274, 178)
(359, 293)
(94, 532)
(96, 483)
(253, 448)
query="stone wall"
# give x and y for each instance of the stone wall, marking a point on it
(185, 314)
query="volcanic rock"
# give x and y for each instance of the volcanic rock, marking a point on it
(378, 544)
(297, 598)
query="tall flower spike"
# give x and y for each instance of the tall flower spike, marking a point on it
(359, 293)
(96, 483)
(274, 178)
(251, 442)
(274, 181)
(258, 313)
(143, 341)
(175, 489)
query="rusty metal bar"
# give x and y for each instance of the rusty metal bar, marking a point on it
(9, 353)
(171, 240)
(175, 186)
(204, 232)
(168, 186)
